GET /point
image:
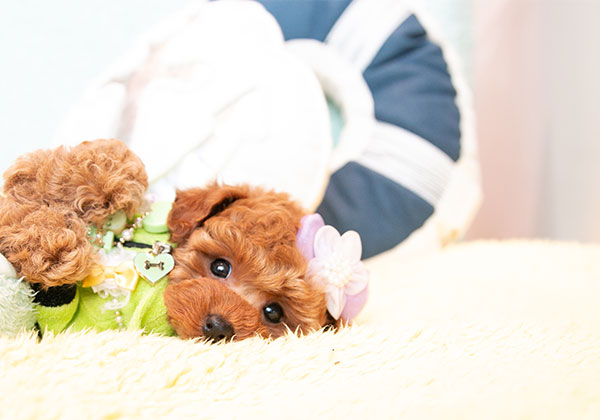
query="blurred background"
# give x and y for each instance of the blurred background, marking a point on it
(533, 67)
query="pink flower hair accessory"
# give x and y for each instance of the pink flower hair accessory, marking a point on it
(334, 264)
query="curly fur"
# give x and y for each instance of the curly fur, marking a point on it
(94, 179)
(189, 301)
(255, 230)
(52, 196)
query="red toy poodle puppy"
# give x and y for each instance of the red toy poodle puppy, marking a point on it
(238, 269)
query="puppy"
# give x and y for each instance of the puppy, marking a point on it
(245, 261)
(238, 270)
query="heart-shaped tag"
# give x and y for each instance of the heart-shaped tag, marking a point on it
(153, 268)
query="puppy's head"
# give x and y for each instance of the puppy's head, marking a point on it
(238, 270)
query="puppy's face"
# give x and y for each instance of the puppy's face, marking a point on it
(238, 271)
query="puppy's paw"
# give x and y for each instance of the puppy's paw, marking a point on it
(49, 247)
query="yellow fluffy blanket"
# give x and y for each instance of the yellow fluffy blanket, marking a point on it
(480, 330)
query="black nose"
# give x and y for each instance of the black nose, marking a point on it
(216, 328)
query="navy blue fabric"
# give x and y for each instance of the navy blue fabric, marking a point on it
(306, 18)
(382, 212)
(412, 88)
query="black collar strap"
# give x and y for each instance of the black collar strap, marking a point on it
(132, 244)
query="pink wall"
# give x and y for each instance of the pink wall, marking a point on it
(537, 90)
(507, 102)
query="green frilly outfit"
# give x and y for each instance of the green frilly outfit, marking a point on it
(145, 309)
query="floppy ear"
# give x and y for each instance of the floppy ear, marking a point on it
(194, 206)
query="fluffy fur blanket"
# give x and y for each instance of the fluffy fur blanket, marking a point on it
(480, 330)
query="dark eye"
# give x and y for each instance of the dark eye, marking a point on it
(273, 313)
(220, 268)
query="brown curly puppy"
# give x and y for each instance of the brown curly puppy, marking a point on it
(50, 197)
(238, 270)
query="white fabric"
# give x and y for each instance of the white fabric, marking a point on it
(408, 160)
(344, 84)
(363, 28)
(484, 330)
(211, 93)
(6, 268)
(462, 198)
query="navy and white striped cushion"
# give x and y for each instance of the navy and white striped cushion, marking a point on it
(394, 186)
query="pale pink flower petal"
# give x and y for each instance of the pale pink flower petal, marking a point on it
(314, 269)
(351, 246)
(327, 240)
(336, 300)
(358, 280)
